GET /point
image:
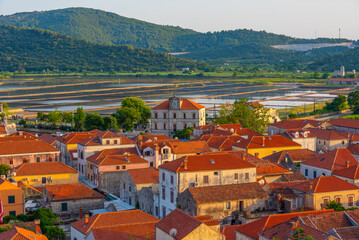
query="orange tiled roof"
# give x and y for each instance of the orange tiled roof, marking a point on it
(116, 156)
(343, 122)
(266, 142)
(232, 192)
(182, 222)
(204, 162)
(354, 148)
(225, 143)
(262, 166)
(189, 147)
(151, 137)
(76, 137)
(71, 191)
(24, 135)
(323, 184)
(185, 104)
(252, 229)
(114, 219)
(297, 124)
(2, 129)
(17, 233)
(333, 160)
(326, 134)
(206, 219)
(144, 175)
(299, 133)
(43, 168)
(96, 140)
(350, 172)
(10, 147)
(292, 177)
(48, 139)
(297, 155)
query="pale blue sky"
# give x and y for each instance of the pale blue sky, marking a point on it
(298, 18)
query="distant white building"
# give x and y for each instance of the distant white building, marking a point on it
(339, 73)
(176, 114)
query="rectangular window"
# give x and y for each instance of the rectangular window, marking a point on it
(43, 180)
(37, 159)
(123, 167)
(337, 199)
(228, 205)
(325, 200)
(115, 142)
(24, 160)
(350, 201)
(164, 126)
(247, 176)
(163, 193)
(163, 211)
(172, 196)
(63, 207)
(130, 201)
(117, 167)
(156, 126)
(107, 142)
(174, 115)
(164, 115)
(236, 176)
(306, 172)
(194, 115)
(172, 179)
(11, 161)
(205, 179)
(156, 210)
(124, 186)
(314, 174)
(12, 213)
(156, 115)
(184, 115)
(129, 188)
(11, 199)
(50, 158)
(163, 177)
(215, 173)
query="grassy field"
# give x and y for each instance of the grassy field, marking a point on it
(301, 109)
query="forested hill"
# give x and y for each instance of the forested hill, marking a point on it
(35, 50)
(349, 59)
(109, 28)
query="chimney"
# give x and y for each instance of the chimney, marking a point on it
(53, 197)
(310, 185)
(81, 213)
(37, 225)
(243, 156)
(86, 218)
(263, 139)
(185, 163)
(347, 163)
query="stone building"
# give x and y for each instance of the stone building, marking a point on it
(346, 125)
(224, 202)
(200, 170)
(66, 200)
(281, 126)
(176, 114)
(302, 137)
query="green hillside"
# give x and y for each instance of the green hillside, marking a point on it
(35, 50)
(349, 59)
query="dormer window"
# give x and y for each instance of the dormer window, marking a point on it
(115, 142)
(108, 142)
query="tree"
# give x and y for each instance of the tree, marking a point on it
(79, 118)
(139, 105)
(326, 75)
(299, 234)
(4, 168)
(5, 106)
(133, 110)
(110, 122)
(353, 101)
(184, 133)
(54, 117)
(126, 117)
(335, 205)
(316, 75)
(249, 116)
(93, 121)
(337, 104)
(67, 117)
(40, 115)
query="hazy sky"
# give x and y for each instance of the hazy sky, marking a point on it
(298, 18)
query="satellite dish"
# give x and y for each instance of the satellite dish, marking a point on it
(173, 232)
(261, 182)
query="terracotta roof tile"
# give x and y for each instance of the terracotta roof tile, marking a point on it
(333, 160)
(114, 219)
(209, 161)
(297, 155)
(350, 172)
(17, 233)
(144, 175)
(71, 191)
(150, 138)
(185, 104)
(262, 166)
(292, 177)
(115, 156)
(299, 133)
(297, 124)
(343, 122)
(43, 168)
(252, 229)
(142, 231)
(266, 142)
(324, 184)
(48, 139)
(23, 134)
(76, 137)
(326, 134)
(96, 140)
(232, 192)
(24, 147)
(354, 148)
(189, 147)
(2, 129)
(182, 222)
(225, 143)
